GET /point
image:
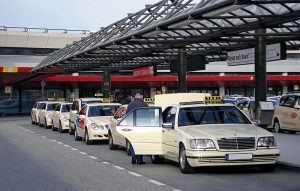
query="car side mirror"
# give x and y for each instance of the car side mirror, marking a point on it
(168, 125)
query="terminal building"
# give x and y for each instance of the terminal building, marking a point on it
(22, 49)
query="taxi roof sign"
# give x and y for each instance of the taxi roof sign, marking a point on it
(213, 99)
(108, 100)
(149, 100)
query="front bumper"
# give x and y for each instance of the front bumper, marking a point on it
(64, 124)
(98, 134)
(218, 158)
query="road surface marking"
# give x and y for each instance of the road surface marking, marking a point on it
(53, 140)
(105, 162)
(82, 153)
(135, 174)
(67, 145)
(93, 157)
(118, 167)
(59, 142)
(44, 137)
(74, 149)
(156, 182)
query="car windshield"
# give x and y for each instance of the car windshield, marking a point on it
(51, 106)
(107, 110)
(91, 101)
(40, 105)
(211, 115)
(66, 108)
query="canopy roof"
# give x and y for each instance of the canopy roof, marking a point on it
(154, 35)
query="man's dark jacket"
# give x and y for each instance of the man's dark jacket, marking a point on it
(135, 104)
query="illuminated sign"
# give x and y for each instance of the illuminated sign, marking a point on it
(143, 72)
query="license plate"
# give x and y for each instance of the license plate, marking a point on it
(236, 156)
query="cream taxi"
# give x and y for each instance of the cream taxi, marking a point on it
(287, 114)
(197, 134)
(76, 107)
(45, 114)
(60, 117)
(93, 121)
(35, 112)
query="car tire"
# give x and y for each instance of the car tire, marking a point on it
(184, 165)
(71, 132)
(156, 159)
(276, 127)
(111, 144)
(86, 137)
(52, 126)
(60, 127)
(77, 138)
(267, 167)
(40, 124)
(45, 125)
(127, 147)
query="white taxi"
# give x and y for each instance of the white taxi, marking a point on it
(35, 112)
(93, 121)
(45, 114)
(287, 114)
(199, 135)
(60, 117)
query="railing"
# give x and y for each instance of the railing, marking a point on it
(45, 30)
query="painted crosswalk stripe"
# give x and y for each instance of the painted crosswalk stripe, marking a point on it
(156, 182)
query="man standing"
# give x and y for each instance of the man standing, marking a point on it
(136, 103)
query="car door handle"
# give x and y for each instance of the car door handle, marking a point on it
(126, 129)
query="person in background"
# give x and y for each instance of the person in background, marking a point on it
(136, 103)
(127, 100)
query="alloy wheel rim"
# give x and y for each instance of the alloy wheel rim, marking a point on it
(276, 127)
(182, 159)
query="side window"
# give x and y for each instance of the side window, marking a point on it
(57, 107)
(289, 101)
(281, 101)
(147, 117)
(128, 120)
(169, 115)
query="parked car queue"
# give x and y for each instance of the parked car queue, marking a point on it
(190, 132)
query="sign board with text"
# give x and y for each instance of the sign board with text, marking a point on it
(247, 56)
(143, 72)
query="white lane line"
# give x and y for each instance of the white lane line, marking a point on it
(59, 142)
(93, 157)
(53, 140)
(44, 137)
(135, 174)
(176, 190)
(67, 145)
(105, 162)
(156, 182)
(82, 153)
(74, 149)
(118, 167)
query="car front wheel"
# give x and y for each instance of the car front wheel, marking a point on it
(77, 138)
(184, 165)
(86, 137)
(111, 144)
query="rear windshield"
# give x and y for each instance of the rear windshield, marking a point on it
(107, 110)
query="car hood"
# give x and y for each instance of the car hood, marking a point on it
(215, 131)
(101, 120)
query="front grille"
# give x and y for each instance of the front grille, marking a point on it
(239, 143)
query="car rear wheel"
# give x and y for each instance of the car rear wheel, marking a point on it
(60, 127)
(71, 132)
(77, 138)
(184, 165)
(276, 127)
(156, 159)
(45, 125)
(127, 147)
(53, 128)
(111, 144)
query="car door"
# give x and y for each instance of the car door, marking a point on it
(170, 136)
(119, 114)
(142, 127)
(289, 112)
(82, 118)
(55, 115)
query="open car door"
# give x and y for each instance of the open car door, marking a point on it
(143, 128)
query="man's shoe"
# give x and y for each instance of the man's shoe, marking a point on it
(141, 162)
(133, 160)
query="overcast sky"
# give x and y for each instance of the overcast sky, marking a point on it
(67, 14)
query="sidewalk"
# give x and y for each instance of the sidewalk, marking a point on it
(289, 146)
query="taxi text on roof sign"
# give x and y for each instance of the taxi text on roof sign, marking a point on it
(213, 99)
(107, 100)
(149, 100)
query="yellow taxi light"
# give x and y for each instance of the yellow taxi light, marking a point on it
(213, 99)
(107, 100)
(149, 100)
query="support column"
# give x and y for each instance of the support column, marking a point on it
(106, 83)
(75, 94)
(260, 69)
(182, 87)
(284, 87)
(20, 100)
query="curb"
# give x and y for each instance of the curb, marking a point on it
(288, 166)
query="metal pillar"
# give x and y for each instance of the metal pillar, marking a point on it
(20, 100)
(260, 69)
(182, 87)
(106, 83)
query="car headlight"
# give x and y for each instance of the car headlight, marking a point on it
(94, 126)
(202, 144)
(266, 142)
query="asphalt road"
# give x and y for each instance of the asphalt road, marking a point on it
(33, 158)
